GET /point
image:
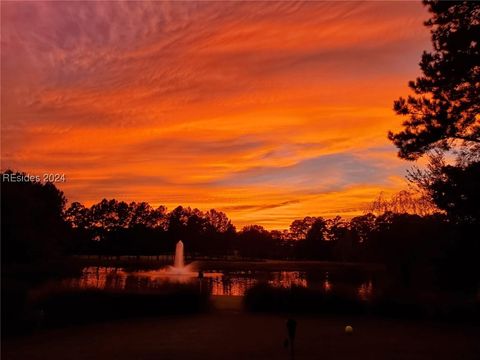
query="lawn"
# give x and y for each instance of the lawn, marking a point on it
(232, 334)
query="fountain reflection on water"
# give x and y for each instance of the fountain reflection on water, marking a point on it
(233, 283)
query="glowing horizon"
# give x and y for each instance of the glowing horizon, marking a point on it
(267, 111)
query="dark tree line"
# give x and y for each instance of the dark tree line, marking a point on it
(114, 227)
(37, 227)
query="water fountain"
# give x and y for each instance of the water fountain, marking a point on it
(179, 262)
(179, 271)
(179, 267)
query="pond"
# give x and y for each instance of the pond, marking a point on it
(222, 282)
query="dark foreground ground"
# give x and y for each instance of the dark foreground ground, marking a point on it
(229, 333)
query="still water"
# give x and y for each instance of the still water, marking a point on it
(233, 283)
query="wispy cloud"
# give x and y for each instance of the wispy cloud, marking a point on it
(242, 106)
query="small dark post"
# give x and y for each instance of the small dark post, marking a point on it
(291, 330)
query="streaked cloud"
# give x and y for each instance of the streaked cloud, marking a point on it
(268, 110)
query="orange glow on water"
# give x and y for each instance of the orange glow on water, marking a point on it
(327, 285)
(217, 283)
(365, 291)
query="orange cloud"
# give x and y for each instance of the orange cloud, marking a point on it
(269, 111)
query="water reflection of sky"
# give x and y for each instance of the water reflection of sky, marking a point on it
(233, 283)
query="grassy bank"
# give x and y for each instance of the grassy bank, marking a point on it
(28, 310)
(72, 306)
(266, 298)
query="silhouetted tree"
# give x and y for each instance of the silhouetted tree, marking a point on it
(314, 244)
(457, 192)
(404, 202)
(453, 189)
(334, 228)
(195, 231)
(33, 228)
(300, 228)
(104, 215)
(177, 222)
(444, 112)
(141, 214)
(218, 220)
(219, 233)
(362, 226)
(255, 241)
(409, 246)
(78, 216)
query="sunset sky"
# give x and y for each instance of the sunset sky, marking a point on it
(267, 111)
